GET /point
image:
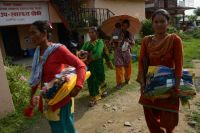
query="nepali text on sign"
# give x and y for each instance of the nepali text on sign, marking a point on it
(16, 13)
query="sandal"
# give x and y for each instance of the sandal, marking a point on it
(104, 94)
(119, 86)
(92, 103)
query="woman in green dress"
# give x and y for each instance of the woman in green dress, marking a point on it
(96, 82)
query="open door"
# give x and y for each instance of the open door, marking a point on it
(11, 42)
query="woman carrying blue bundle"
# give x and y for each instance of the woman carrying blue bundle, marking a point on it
(161, 49)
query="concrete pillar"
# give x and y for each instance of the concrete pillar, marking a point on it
(6, 103)
(3, 52)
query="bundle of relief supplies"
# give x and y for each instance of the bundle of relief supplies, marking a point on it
(160, 80)
(57, 89)
(61, 86)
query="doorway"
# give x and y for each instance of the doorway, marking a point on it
(11, 42)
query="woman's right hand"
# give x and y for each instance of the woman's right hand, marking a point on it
(174, 93)
(35, 100)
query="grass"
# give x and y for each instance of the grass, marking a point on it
(16, 122)
(111, 83)
(191, 51)
(195, 116)
(110, 80)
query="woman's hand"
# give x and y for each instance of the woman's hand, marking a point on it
(174, 92)
(131, 42)
(35, 100)
(89, 58)
(75, 92)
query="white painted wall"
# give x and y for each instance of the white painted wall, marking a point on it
(135, 8)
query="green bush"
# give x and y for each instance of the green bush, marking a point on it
(172, 29)
(17, 77)
(7, 61)
(20, 90)
(146, 28)
(196, 33)
(183, 35)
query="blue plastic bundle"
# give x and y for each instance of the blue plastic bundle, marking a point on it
(160, 80)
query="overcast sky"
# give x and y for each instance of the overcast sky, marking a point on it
(196, 4)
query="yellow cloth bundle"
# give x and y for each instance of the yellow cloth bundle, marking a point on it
(66, 89)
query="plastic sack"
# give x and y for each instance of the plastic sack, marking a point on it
(160, 80)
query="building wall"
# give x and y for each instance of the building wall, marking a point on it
(23, 30)
(25, 40)
(6, 103)
(55, 37)
(54, 17)
(2, 47)
(23, 0)
(88, 3)
(24, 37)
(135, 8)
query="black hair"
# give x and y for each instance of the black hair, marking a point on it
(117, 25)
(43, 27)
(162, 12)
(107, 37)
(101, 34)
(126, 21)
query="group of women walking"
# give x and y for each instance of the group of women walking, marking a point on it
(159, 49)
(97, 51)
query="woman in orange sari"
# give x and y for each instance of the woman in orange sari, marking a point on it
(161, 49)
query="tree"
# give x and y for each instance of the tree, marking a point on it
(146, 27)
(197, 11)
(192, 18)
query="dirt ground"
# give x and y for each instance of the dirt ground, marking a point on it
(111, 113)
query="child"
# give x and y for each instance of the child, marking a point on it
(117, 32)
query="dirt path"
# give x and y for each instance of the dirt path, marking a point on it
(112, 112)
(111, 120)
